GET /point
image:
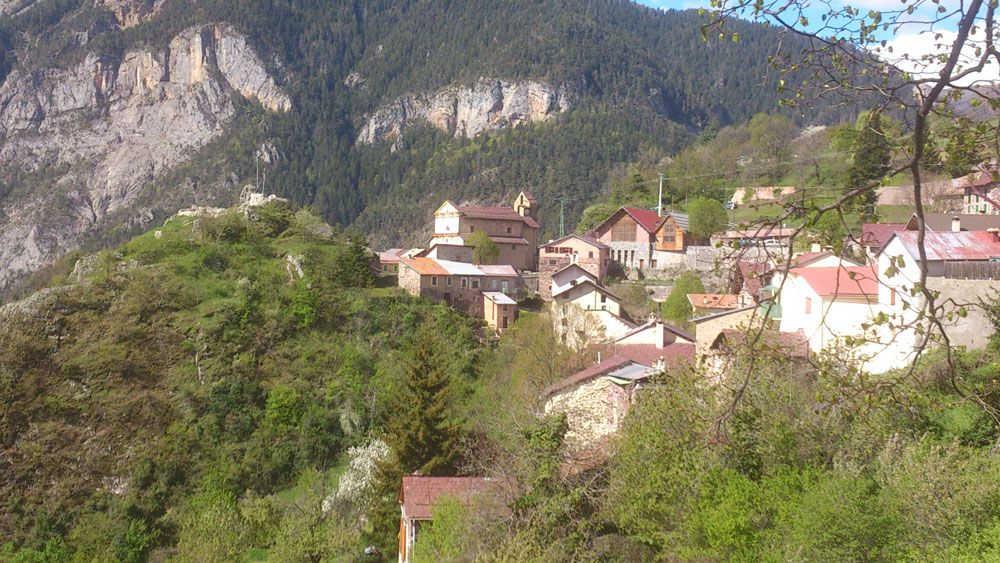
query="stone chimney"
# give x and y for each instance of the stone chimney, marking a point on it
(956, 224)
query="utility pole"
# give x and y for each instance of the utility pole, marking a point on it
(562, 216)
(659, 199)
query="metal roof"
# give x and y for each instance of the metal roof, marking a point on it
(963, 245)
(499, 298)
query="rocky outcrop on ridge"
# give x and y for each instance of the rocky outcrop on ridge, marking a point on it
(87, 140)
(466, 111)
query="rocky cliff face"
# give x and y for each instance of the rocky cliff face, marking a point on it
(80, 144)
(466, 111)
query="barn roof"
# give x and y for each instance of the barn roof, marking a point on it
(963, 245)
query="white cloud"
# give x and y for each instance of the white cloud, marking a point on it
(922, 54)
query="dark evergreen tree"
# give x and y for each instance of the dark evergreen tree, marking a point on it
(871, 162)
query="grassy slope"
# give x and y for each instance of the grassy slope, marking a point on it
(193, 355)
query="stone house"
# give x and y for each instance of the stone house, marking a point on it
(513, 229)
(388, 261)
(708, 327)
(587, 252)
(499, 310)
(596, 399)
(640, 239)
(458, 284)
(418, 495)
(728, 344)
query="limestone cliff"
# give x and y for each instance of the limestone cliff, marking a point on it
(84, 142)
(466, 111)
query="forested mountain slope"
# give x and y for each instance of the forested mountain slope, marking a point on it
(115, 113)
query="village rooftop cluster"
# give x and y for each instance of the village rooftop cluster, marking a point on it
(865, 310)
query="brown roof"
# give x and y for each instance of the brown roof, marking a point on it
(791, 344)
(419, 493)
(509, 240)
(606, 366)
(673, 355)
(390, 256)
(499, 212)
(425, 266)
(585, 238)
(753, 274)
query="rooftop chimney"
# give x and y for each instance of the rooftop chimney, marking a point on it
(956, 224)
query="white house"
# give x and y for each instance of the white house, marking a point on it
(569, 276)
(834, 307)
(587, 313)
(962, 267)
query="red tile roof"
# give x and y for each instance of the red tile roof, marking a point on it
(875, 235)
(419, 493)
(855, 281)
(425, 266)
(714, 300)
(647, 219)
(963, 245)
(499, 212)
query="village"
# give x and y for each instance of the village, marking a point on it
(863, 306)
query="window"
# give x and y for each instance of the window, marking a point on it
(809, 305)
(553, 261)
(590, 254)
(623, 230)
(434, 280)
(494, 284)
(465, 283)
(652, 264)
(604, 299)
(513, 247)
(449, 281)
(475, 283)
(472, 228)
(503, 322)
(508, 230)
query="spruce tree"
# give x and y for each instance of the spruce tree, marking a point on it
(872, 161)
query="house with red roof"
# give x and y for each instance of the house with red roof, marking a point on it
(419, 494)
(829, 304)
(514, 229)
(640, 239)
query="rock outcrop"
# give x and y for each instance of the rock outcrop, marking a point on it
(132, 12)
(466, 111)
(84, 142)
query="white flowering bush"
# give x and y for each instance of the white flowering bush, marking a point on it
(357, 483)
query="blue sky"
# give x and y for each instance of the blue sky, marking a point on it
(915, 41)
